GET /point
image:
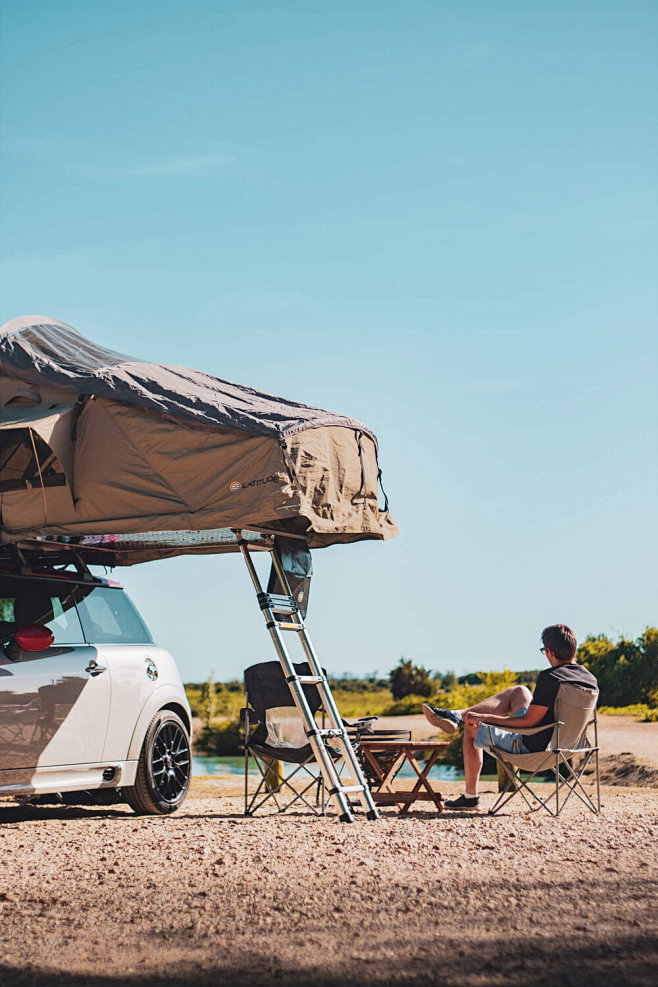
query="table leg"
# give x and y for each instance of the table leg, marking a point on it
(374, 764)
(423, 782)
(387, 783)
(385, 779)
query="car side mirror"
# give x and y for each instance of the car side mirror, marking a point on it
(29, 637)
(33, 637)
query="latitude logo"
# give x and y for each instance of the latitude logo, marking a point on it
(260, 482)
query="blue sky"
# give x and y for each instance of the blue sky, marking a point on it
(436, 217)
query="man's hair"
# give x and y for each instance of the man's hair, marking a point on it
(561, 640)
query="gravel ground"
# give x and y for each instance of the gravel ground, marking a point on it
(103, 897)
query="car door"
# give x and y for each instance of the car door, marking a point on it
(125, 646)
(54, 704)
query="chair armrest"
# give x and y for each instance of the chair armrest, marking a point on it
(253, 719)
(361, 721)
(524, 731)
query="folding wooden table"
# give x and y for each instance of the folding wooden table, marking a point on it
(376, 757)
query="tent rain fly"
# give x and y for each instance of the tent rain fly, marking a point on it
(136, 461)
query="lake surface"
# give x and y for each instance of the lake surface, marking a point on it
(226, 767)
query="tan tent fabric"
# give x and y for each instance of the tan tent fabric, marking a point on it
(140, 448)
(36, 462)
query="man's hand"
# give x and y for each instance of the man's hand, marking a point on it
(472, 719)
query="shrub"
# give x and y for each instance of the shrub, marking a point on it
(449, 681)
(208, 702)
(627, 671)
(404, 707)
(408, 679)
(355, 704)
(221, 739)
(462, 696)
(642, 712)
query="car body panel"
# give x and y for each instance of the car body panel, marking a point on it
(74, 716)
(131, 688)
(166, 695)
(66, 778)
(52, 711)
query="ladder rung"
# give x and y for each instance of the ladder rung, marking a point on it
(326, 732)
(277, 602)
(307, 679)
(352, 788)
(285, 625)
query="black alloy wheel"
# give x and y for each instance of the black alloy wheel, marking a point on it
(171, 761)
(165, 766)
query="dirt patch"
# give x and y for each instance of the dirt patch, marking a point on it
(625, 769)
(207, 896)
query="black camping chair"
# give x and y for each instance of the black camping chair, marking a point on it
(279, 738)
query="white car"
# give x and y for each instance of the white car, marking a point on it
(87, 701)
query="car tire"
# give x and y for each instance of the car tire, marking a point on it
(164, 769)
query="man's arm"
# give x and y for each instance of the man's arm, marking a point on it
(532, 718)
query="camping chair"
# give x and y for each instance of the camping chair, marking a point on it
(575, 711)
(280, 738)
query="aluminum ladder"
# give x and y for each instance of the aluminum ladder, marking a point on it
(273, 607)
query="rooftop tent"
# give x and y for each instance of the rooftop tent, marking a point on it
(144, 461)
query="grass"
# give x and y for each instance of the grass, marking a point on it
(355, 704)
(641, 712)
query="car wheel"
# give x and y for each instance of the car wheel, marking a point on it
(165, 767)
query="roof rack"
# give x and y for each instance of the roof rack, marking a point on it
(26, 558)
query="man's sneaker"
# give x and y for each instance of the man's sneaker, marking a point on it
(444, 719)
(462, 803)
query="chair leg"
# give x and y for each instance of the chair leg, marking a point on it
(271, 792)
(573, 783)
(262, 786)
(511, 786)
(246, 779)
(571, 779)
(557, 787)
(521, 787)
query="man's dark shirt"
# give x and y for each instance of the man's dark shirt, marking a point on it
(548, 683)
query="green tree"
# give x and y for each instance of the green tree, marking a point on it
(208, 702)
(449, 681)
(408, 679)
(627, 671)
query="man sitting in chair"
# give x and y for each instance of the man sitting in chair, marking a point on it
(531, 711)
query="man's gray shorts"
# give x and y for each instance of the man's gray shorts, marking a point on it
(505, 739)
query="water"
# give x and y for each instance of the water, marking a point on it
(229, 767)
(219, 767)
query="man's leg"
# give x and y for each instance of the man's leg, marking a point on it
(504, 703)
(507, 702)
(473, 759)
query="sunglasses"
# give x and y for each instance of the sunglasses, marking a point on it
(543, 651)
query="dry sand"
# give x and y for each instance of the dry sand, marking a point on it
(206, 896)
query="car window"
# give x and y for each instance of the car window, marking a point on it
(40, 601)
(65, 623)
(109, 617)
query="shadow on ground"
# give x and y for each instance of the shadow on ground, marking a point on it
(630, 960)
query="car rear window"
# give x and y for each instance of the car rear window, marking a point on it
(109, 617)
